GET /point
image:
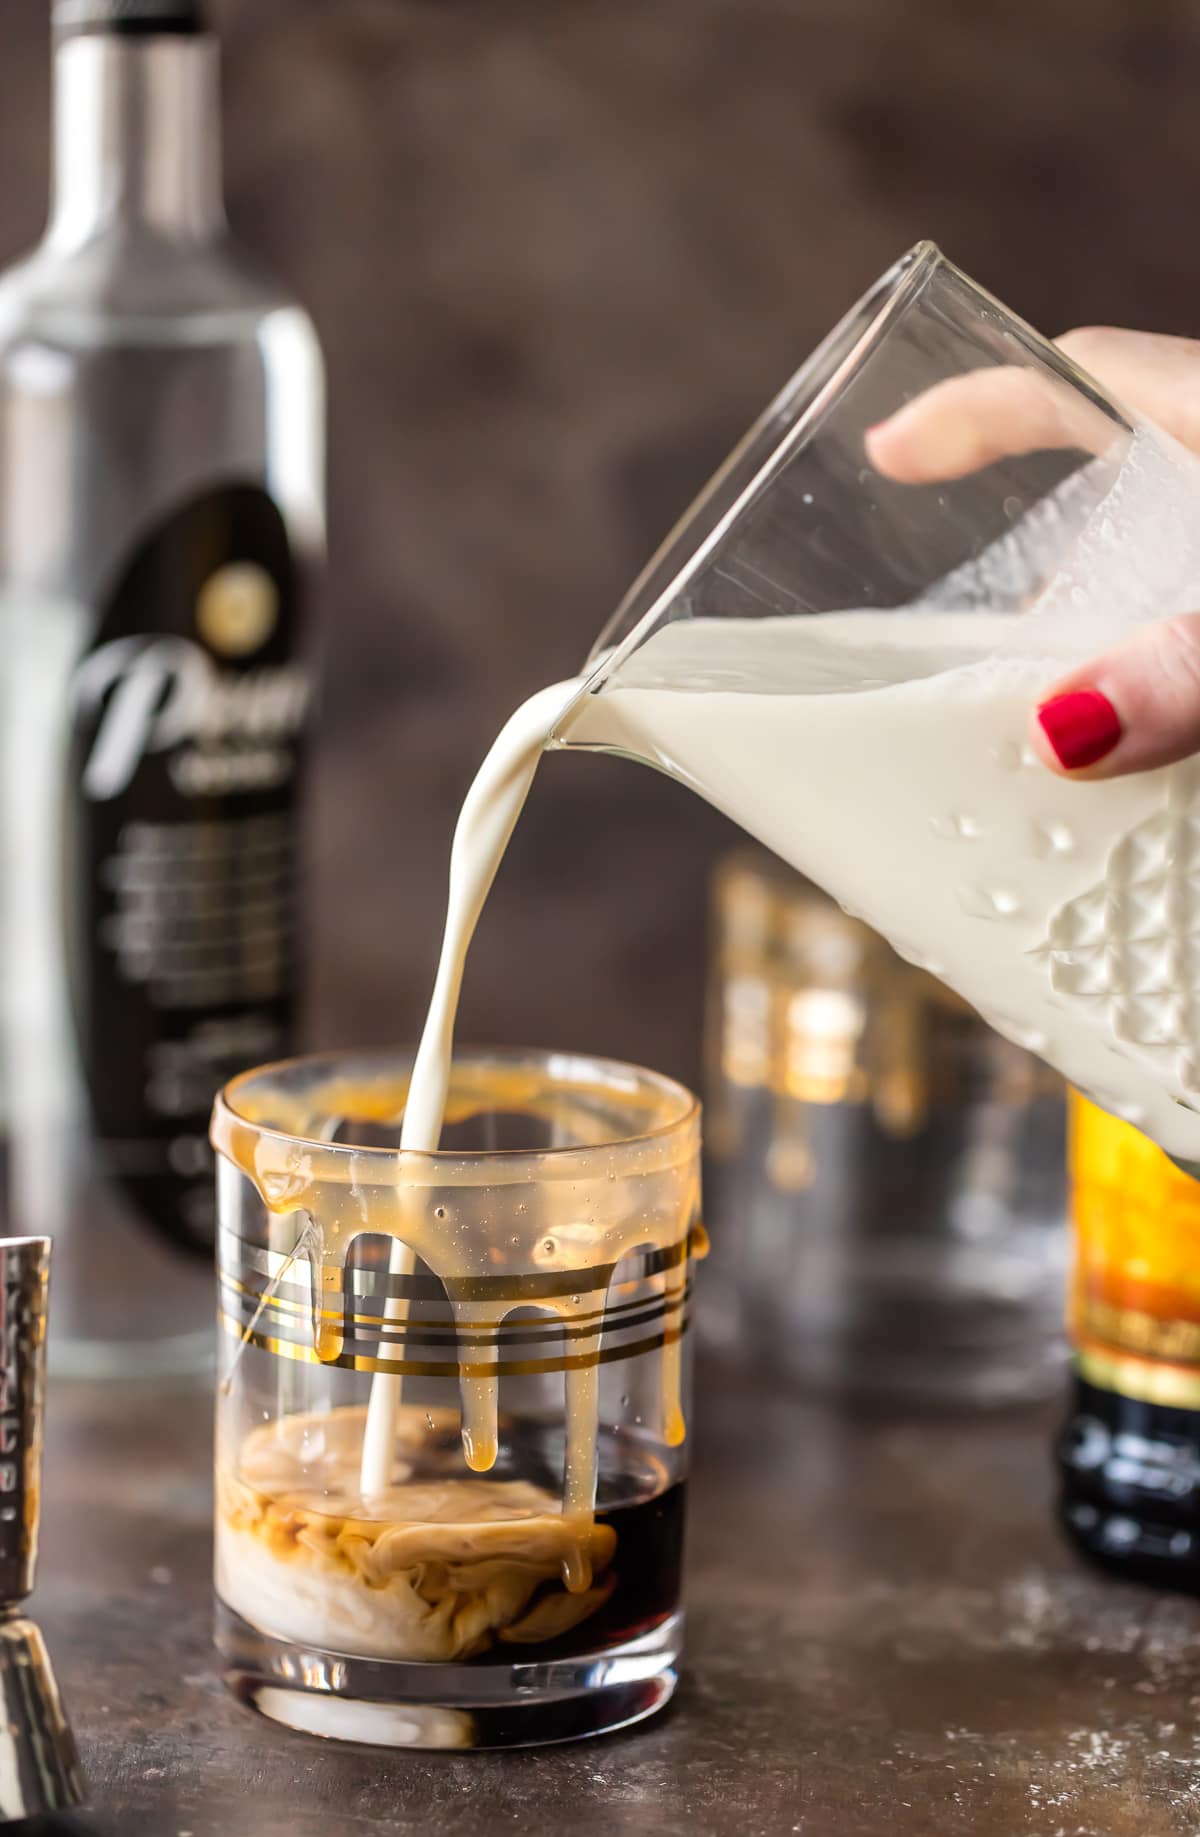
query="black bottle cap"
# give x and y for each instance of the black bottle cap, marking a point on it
(130, 18)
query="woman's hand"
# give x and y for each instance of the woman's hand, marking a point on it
(1138, 705)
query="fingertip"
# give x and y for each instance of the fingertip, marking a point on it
(878, 442)
(1040, 744)
(932, 439)
(1076, 729)
(894, 447)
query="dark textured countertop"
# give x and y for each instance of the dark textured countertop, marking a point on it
(885, 1634)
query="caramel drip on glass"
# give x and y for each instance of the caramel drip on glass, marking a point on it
(479, 1387)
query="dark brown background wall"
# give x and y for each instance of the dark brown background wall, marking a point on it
(559, 252)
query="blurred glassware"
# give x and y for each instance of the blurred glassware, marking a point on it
(886, 1175)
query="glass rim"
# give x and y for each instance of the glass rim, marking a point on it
(788, 419)
(618, 1075)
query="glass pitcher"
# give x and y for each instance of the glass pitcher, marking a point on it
(841, 642)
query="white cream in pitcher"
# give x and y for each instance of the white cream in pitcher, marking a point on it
(1067, 913)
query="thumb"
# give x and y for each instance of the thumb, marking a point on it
(1136, 707)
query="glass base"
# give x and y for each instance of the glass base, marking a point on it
(392, 1704)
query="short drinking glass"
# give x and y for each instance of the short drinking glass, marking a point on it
(517, 1579)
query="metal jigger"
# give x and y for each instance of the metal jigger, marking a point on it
(39, 1767)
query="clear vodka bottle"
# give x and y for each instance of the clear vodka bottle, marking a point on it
(161, 473)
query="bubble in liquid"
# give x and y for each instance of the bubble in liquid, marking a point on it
(439, 1211)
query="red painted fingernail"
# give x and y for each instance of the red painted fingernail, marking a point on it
(1082, 727)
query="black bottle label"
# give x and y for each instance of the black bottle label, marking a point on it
(186, 716)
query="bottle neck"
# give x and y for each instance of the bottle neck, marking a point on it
(137, 140)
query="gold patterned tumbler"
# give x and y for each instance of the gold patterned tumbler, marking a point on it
(517, 1579)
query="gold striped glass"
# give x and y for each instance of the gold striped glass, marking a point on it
(525, 1295)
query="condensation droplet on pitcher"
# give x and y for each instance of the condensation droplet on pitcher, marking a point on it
(1052, 839)
(1013, 756)
(989, 902)
(956, 826)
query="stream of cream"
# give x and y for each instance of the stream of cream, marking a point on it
(485, 824)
